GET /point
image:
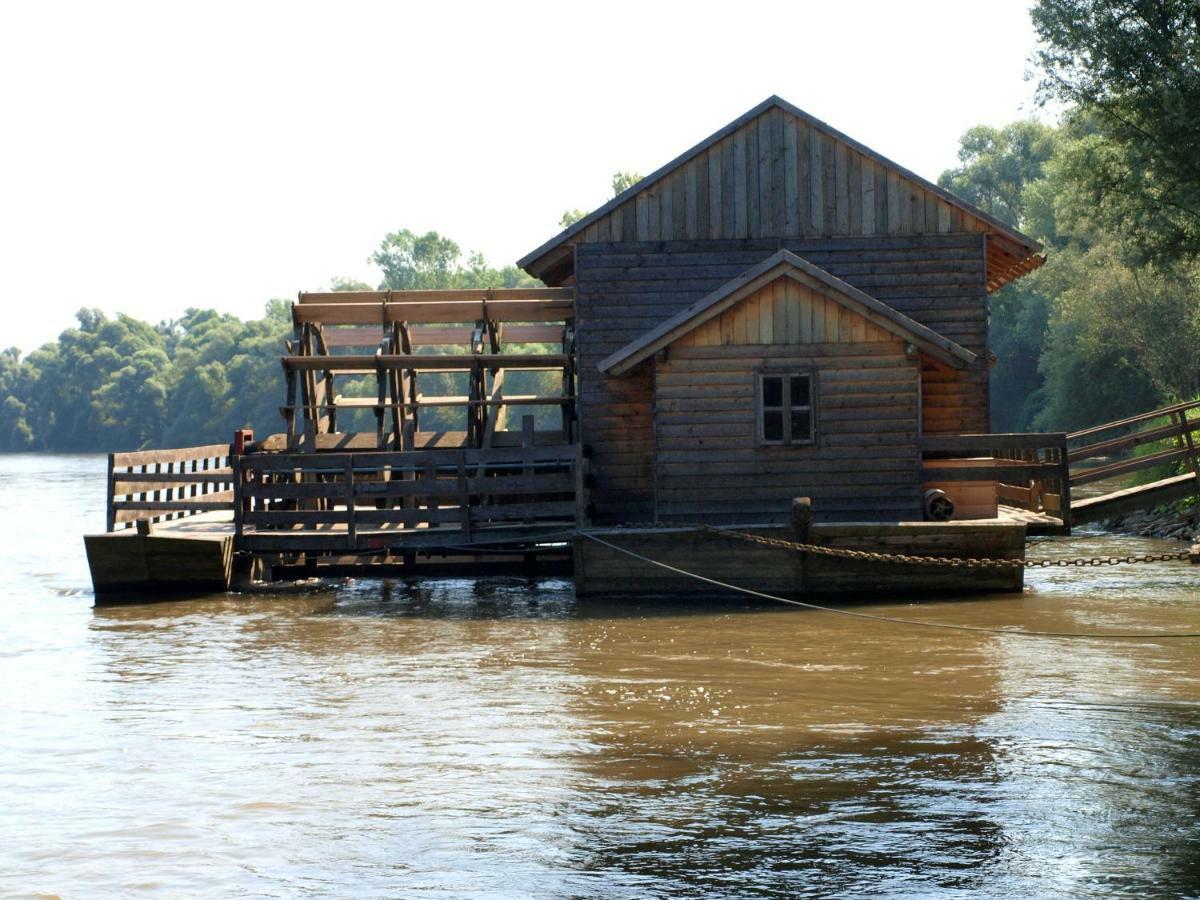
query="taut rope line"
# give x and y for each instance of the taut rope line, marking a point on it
(895, 620)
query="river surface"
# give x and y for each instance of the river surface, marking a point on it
(501, 739)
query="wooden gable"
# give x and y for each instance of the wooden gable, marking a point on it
(778, 172)
(787, 266)
(786, 312)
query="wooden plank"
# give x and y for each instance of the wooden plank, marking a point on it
(1145, 496)
(425, 296)
(816, 188)
(841, 179)
(153, 457)
(449, 362)
(714, 194)
(791, 178)
(1151, 460)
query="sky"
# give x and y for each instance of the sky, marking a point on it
(160, 156)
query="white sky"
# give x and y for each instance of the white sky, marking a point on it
(158, 156)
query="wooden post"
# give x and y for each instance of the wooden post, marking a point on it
(527, 451)
(1064, 481)
(1185, 434)
(235, 463)
(581, 498)
(351, 531)
(110, 514)
(464, 499)
(801, 520)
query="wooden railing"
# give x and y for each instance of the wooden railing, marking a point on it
(1030, 470)
(1116, 439)
(153, 485)
(284, 499)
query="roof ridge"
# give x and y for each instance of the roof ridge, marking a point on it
(774, 100)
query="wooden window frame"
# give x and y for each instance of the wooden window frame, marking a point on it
(786, 408)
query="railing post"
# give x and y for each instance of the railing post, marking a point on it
(581, 498)
(236, 464)
(1185, 434)
(464, 498)
(110, 520)
(351, 524)
(1064, 480)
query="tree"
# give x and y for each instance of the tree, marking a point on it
(1132, 67)
(998, 164)
(999, 170)
(621, 181)
(338, 284)
(410, 261)
(570, 217)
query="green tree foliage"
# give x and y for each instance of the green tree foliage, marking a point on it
(996, 166)
(1099, 331)
(570, 217)
(997, 169)
(431, 262)
(1132, 67)
(621, 181)
(122, 384)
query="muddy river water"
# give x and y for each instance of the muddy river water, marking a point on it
(502, 739)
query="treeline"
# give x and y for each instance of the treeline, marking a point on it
(1110, 324)
(121, 383)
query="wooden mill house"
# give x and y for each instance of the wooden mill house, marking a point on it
(778, 312)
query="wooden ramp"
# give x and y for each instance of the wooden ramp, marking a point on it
(1142, 496)
(1109, 451)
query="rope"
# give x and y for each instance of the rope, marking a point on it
(895, 620)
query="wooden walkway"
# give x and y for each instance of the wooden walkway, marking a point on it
(1110, 452)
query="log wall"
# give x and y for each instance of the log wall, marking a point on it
(624, 289)
(864, 465)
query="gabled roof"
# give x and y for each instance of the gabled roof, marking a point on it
(784, 263)
(1014, 255)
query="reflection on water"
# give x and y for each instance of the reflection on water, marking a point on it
(501, 738)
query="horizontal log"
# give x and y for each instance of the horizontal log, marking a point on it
(478, 295)
(990, 470)
(1133, 420)
(414, 459)
(985, 443)
(1137, 439)
(201, 502)
(440, 362)
(169, 479)
(335, 491)
(440, 312)
(181, 454)
(1162, 458)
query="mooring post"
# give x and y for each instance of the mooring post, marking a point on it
(801, 520)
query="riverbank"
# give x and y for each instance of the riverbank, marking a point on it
(1174, 521)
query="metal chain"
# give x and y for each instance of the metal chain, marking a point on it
(952, 562)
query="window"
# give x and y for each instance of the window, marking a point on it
(785, 408)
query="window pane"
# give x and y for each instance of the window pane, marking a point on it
(800, 391)
(772, 390)
(773, 425)
(801, 425)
